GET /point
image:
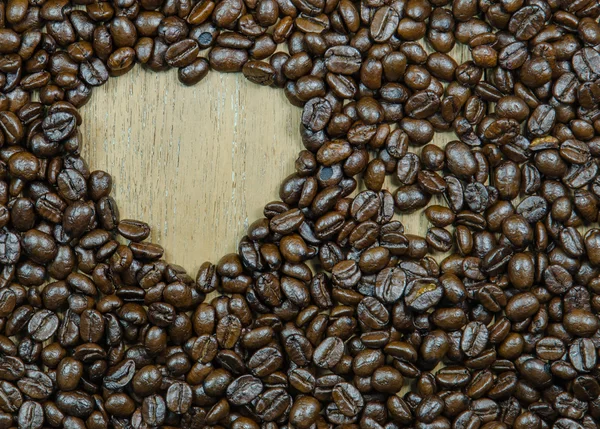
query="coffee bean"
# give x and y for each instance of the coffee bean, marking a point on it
(583, 355)
(182, 53)
(69, 373)
(384, 24)
(120, 375)
(36, 385)
(526, 22)
(299, 349)
(265, 361)
(154, 410)
(348, 399)
(316, 114)
(76, 403)
(387, 379)
(550, 348)
(31, 415)
(272, 404)
(133, 230)
(259, 72)
(11, 398)
(329, 352)
(10, 248)
(179, 397)
(228, 331)
(522, 306)
(542, 120)
(42, 325)
(422, 294)
(533, 208)
(586, 64)
(227, 60)
(474, 339)
(343, 60)
(93, 72)
(304, 412)
(390, 285)
(244, 389)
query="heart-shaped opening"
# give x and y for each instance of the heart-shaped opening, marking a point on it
(197, 164)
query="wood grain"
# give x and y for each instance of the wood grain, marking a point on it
(197, 164)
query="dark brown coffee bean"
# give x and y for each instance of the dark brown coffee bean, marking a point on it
(422, 294)
(542, 120)
(42, 325)
(40, 247)
(179, 397)
(384, 24)
(586, 64)
(31, 415)
(526, 22)
(119, 376)
(194, 72)
(244, 389)
(522, 306)
(474, 339)
(227, 60)
(580, 322)
(58, 126)
(272, 404)
(343, 60)
(182, 53)
(390, 285)
(36, 385)
(69, 373)
(304, 412)
(329, 353)
(154, 410)
(348, 399)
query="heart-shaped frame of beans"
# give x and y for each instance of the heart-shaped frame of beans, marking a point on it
(499, 330)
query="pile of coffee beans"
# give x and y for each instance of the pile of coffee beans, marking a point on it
(330, 315)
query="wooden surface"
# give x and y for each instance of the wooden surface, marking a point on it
(197, 163)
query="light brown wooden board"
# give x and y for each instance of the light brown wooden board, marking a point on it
(197, 163)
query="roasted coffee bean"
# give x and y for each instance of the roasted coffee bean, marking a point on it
(299, 350)
(422, 294)
(244, 389)
(522, 306)
(384, 24)
(69, 373)
(390, 285)
(58, 126)
(179, 397)
(133, 230)
(527, 22)
(272, 404)
(42, 325)
(343, 60)
(154, 410)
(329, 353)
(372, 313)
(474, 339)
(348, 399)
(120, 376)
(583, 355)
(31, 415)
